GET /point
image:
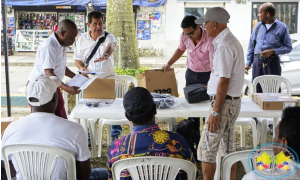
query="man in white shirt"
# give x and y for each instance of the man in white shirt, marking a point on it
(103, 60)
(43, 127)
(224, 87)
(286, 133)
(51, 59)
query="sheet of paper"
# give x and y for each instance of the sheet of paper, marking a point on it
(91, 72)
(85, 85)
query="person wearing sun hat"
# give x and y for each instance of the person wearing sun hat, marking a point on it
(43, 127)
(224, 86)
(146, 139)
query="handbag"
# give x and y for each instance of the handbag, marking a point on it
(101, 40)
(195, 93)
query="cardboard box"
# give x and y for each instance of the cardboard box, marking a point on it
(273, 101)
(5, 121)
(100, 89)
(157, 81)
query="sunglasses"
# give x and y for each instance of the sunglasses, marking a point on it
(190, 34)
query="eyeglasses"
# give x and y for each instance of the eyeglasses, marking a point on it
(190, 34)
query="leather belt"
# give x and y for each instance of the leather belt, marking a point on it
(227, 97)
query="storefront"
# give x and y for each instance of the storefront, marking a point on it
(33, 24)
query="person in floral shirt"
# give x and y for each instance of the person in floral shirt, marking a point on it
(146, 139)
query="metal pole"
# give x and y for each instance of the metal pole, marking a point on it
(6, 56)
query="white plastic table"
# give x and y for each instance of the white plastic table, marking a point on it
(116, 111)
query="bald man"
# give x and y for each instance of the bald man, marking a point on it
(51, 59)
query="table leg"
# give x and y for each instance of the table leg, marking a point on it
(76, 120)
(275, 123)
(83, 122)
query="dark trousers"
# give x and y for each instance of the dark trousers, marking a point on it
(272, 68)
(192, 77)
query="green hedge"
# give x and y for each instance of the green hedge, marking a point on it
(129, 72)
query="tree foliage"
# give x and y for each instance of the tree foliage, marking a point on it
(120, 22)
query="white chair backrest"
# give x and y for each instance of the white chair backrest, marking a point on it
(248, 84)
(271, 84)
(123, 83)
(36, 161)
(153, 167)
(242, 156)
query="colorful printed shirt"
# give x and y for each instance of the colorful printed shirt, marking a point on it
(149, 140)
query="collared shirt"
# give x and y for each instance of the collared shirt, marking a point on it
(277, 37)
(228, 62)
(50, 55)
(199, 57)
(84, 47)
(276, 173)
(149, 140)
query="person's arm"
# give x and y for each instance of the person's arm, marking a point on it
(286, 46)
(79, 65)
(108, 51)
(83, 169)
(69, 73)
(250, 52)
(213, 122)
(69, 89)
(178, 53)
(12, 169)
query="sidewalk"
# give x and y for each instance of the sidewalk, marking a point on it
(27, 59)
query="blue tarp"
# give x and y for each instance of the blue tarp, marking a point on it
(149, 3)
(46, 2)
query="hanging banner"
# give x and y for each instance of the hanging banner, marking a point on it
(149, 3)
(46, 2)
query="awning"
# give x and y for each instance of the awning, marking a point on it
(45, 2)
(149, 3)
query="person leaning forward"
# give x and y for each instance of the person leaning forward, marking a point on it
(51, 59)
(224, 87)
(272, 39)
(102, 60)
(199, 47)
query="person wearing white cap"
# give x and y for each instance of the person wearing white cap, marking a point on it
(51, 59)
(43, 127)
(224, 87)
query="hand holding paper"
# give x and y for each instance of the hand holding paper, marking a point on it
(80, 81)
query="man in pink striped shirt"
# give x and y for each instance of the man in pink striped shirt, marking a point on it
(200, 52)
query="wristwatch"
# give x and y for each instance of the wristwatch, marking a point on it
(105, 54)
(215, 114)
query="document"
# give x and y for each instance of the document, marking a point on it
(80, 81)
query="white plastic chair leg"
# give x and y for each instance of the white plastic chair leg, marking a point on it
(100, 131)
(242, 136)
(254, 133)
(258, 130)
(218, 167)
(92, 129)
(264, 124)
(108, 126)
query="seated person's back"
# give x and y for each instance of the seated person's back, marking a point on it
(286, 133)
(146, 139)
(43, 127)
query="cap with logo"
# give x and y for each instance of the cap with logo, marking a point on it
(42, 88)
(216, 14)
(138, 102)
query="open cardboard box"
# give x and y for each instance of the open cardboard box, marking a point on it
(273, 101)
(5, 121)
(100, 89)
(158, 81)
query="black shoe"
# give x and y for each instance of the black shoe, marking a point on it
(271, 129)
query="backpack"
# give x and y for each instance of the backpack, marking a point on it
(186, 129)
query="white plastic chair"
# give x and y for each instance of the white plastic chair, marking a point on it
(122, 85)
(155, 166)
(270, 84)
(242, 156)
(248, 121)
(36, 161)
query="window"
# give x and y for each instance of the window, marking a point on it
(198, 12)
(285, 12)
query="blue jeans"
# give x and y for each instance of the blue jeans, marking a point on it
(116, 130)
(99, 174)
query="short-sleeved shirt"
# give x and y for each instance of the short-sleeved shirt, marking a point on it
(50, 130)
(228, 62)
(85, 45)
(199, 57)
(50, 55)
(149, 140)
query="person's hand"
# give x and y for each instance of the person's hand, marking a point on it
(267, 53)
(73, 90)
(84, 74)
(103, 58)
(166, 67)
(247, 67)
(213, 123)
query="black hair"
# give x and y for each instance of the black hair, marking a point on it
(142, 120)
(189, 21)
(271, 10)
(289, 127)
(94, 15)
